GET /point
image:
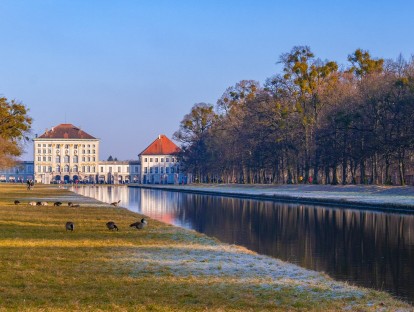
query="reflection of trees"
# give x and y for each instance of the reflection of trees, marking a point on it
(371, 248)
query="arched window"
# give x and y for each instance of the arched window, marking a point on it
(58, 168)
(66, 158)
(88, 169)
(58, 159)
(75, 168)
(49, 169)
(66, 168)
(75, 159)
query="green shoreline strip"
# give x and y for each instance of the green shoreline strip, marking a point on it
(44, 267)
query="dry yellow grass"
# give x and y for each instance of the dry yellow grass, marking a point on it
(161, 268)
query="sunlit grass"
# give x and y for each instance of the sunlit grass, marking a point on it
(161, 268)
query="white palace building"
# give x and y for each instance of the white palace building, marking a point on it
(67, 154)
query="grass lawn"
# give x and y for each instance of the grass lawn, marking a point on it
(159, 268)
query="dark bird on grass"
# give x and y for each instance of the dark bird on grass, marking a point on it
(70, 226)
(140, 224)
(16, 202)
(116, 203)
(69, 204)
(38, 203)
(57, 204)
(111, 225)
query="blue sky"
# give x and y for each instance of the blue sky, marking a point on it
(126, 71)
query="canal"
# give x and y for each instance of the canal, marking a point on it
(368, 248)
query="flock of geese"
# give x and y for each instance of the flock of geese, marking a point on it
(70, 226)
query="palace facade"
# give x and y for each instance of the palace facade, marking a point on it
(67, 154)
(159, 162)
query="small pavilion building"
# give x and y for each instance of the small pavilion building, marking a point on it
(159, 162)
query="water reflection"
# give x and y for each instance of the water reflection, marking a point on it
(372, 249)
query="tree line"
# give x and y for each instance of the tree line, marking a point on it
(315, 122)
(15, 125)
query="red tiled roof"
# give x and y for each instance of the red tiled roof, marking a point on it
(161, 146)
(65, 131)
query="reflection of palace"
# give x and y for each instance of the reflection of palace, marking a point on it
(66, 153)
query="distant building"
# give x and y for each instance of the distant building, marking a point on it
(20, 173)
(159, 163)
(114, 172)
(65, 153)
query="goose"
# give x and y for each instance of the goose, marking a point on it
(16, 202)
(140, 224)
(32, 203)
(57, 204)
(70, 226)
(111, 225)
(115, 203)
(44, 203)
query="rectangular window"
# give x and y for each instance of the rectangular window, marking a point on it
(145, 159)
(167, 159)
(156, 159)
(83, 158)
(44, 169)
(66, 146)
(119, 169)
(44, 145)
(101, 169)
(110, 169)
(76, 146)
(136, 169)
(44, 158)
(49, 158)
(49, 145)
(172, 170)
(145, 170)
(49, 151)
(39, 168)
(39, 151)
(150, 159)
(151, 170)
(57, 145)
(156, 169)
(162, 169)
(39, 158)
(44, 151)
(127, 169)
(167, 170)
(93, 169)
(162, 159)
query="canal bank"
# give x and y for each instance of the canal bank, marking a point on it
(389, 198)
(160, 268)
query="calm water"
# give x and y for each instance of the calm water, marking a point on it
(372, 249)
